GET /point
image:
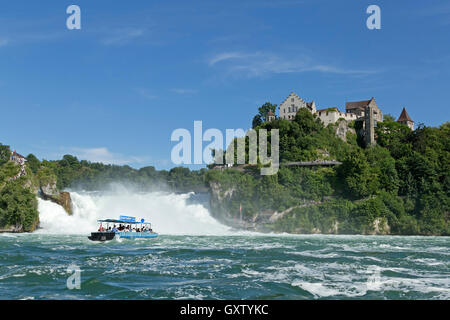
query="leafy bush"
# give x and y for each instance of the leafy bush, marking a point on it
(18, 206)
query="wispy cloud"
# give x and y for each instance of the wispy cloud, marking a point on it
(183, 91)
(123, 36)
(27, 38)
(228, 56)
(103, 155)
(258, 64)
(145, 93)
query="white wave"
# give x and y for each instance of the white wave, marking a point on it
(321, 290)
(169, 213)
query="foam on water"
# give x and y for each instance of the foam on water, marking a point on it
(223, 267)
(169, 214)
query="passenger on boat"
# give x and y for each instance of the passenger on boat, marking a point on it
(115, 229)
(101, 228)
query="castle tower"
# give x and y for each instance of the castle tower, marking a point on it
(292, 104)
(406, 119)
(369, 126)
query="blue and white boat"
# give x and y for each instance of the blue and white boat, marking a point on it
(125, 227)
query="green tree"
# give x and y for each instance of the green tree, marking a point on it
(33, 163)
(388, 117)
(257, 121)
(18, 207)
(359, 180)
(265, 109)
(5, 154)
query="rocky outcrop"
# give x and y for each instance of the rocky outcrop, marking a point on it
(380, 227)
(342, 129)
(62, 198)
(12, 229)
(19, 228)
(49, 189)
(225, 208)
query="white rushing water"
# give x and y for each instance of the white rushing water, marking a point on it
(169, 213)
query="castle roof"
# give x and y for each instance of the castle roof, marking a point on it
(332, 109)
(357, 104)
(270, 113)
(292, 94)
(404, 116)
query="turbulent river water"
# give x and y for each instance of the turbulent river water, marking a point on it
(195, 257)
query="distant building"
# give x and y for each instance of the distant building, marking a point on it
(332, 115)
(366, 111)
(292, 104)
(406, 119)
(359, 108)
(18, 158)
(270, 116)
(355, 110)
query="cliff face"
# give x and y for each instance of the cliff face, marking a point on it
(223, 208)
(19, 193)
(49, 191)
(61, 198)
(226, 209)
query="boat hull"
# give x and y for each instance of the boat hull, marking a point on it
(136, 235)
(107, 236)
(101, 236)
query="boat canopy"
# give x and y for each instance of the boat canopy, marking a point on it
(122, 221)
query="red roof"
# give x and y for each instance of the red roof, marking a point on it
(404, 116)
(356, 105)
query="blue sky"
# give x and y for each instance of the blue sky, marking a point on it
(137, 70)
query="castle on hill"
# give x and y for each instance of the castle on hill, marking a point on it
(366, 111)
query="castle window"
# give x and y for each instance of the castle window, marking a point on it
(292, 99)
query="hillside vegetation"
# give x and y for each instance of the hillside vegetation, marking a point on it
(400, 186)
(18, 202)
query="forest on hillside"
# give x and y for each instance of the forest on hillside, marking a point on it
(402, 182)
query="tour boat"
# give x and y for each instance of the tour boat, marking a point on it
(125, 227)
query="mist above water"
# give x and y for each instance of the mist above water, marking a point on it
(171, 214)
